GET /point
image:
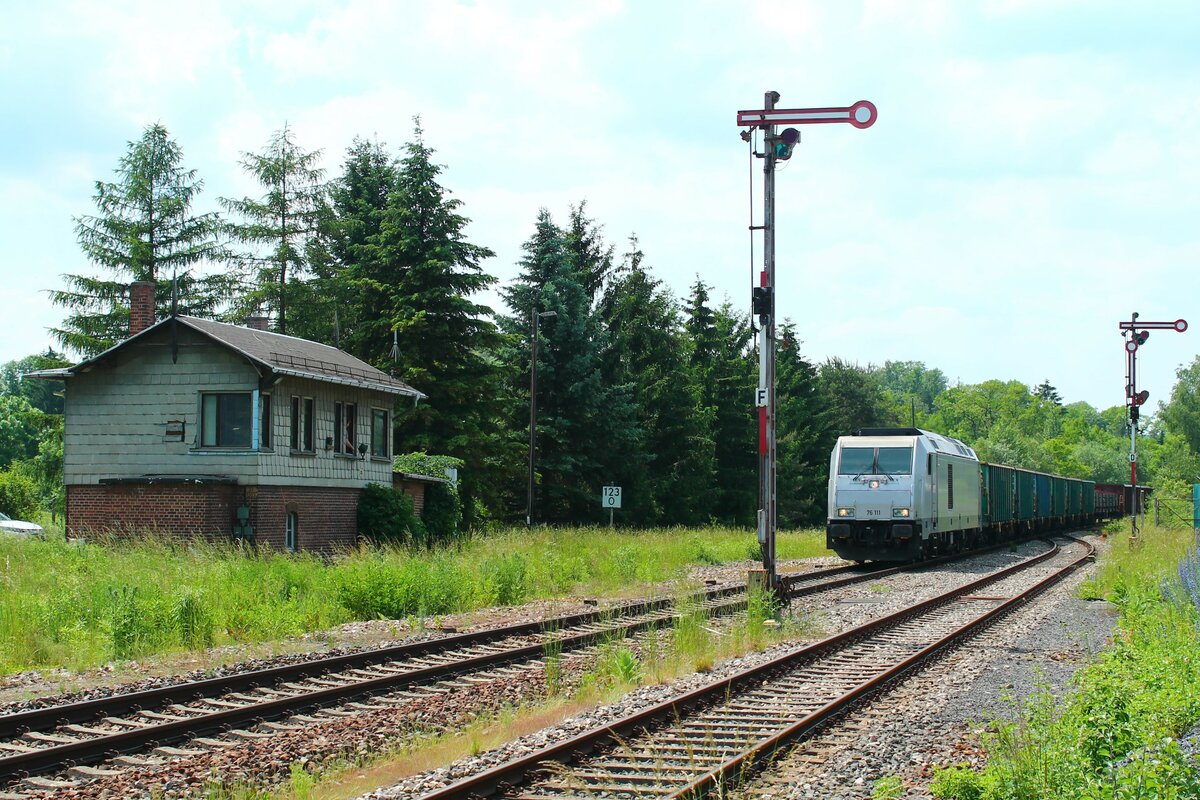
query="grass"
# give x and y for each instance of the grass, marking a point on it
(1114, 735)
(77, 605)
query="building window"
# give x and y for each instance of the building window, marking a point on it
(264, 422)
(302, 425)
(379, 433)
(225, 420)
(344, 418)
(289, 533)
(949, 486)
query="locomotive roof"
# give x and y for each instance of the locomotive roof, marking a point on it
(938, 442)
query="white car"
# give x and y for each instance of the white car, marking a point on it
(16, 526)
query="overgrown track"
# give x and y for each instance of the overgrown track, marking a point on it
(49, 739)
(710, 738)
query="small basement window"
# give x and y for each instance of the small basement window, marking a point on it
(225, 419)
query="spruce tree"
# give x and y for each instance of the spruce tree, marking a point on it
(725, 372)
(804, 439)
(586, 425)
(279, 228)
(674, 471)
(144, 230)
(591, 255)
(446, 340)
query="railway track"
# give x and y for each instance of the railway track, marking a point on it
(713, 737)
(64, 739)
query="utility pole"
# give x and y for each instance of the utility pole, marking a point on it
(1135, 335)
(534, 317)
(777, 147)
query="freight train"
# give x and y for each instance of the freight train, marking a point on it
(903, 494)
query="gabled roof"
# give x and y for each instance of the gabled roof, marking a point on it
(277, 353)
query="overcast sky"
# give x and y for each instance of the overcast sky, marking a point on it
(1034, 176)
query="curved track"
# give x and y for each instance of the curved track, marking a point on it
(712, 737)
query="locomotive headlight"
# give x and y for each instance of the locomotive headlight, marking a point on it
(899, 512)
(845, 512)
(874, 484)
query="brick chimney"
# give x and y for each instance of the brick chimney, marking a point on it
(141, 306)
(258, 322)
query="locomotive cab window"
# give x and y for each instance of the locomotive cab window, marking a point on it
(894, 461)
(856, 460)
(875, 461)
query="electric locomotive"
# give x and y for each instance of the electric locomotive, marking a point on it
(898, 494)
(901, 494)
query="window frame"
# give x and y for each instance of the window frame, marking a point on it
(345, 428)
(291, 531)
(386, 435)
(265, 411)
(201, 436)
(303, 426)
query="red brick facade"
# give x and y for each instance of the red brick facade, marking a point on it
(326, 518)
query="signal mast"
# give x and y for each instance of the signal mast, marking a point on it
(1135, 335)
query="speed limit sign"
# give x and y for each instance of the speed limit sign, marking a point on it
(610, 497)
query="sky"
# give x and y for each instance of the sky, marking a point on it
(1033, 177)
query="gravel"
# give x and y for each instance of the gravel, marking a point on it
(933, 717)
(832, 612)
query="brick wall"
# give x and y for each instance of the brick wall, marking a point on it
(203, 510)
(327, 518)
(415, 491)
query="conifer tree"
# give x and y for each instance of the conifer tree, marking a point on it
(280, 227)
(804, 440)
(586, 426)
(144, 230)
(676, 468)
(446, 340)
(725, 371)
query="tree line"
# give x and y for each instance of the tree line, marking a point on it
(636, 387)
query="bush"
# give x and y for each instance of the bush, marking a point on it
(18, 495)
(442, 514)
(386, 515)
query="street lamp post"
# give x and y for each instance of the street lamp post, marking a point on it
(534, 317)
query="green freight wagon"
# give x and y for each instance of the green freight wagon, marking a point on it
(1026, 505)
(999, 490)
(1074, 497)
(1089, 498)
(1058, 496)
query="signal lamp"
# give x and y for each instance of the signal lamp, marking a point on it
(785, 142)
(1141, 397)
(1141, 336)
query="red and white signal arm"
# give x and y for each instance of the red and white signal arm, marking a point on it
(861, 115)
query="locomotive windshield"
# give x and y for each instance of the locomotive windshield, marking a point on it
(894, 461)
(857, 461)
(875, 461)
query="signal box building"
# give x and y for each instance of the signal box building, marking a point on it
(201, 428)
